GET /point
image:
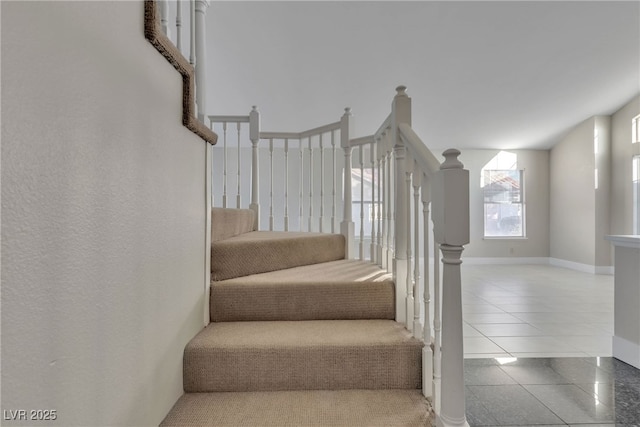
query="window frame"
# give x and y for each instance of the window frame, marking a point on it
(521, 204)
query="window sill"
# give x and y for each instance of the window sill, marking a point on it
(505, 238)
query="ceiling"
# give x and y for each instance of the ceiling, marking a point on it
(503, 75)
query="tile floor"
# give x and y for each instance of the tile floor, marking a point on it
(535, 311)
(552, 391)
(537, 346)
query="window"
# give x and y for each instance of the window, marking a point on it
(503, 203)
(636, 194)
(503, 190)
(635, 129)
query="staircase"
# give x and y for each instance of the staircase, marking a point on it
(299, 335)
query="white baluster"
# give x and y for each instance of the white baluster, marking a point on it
(300, 185)
(238, 193)
(321, 184)
(210, 164)
(361, 203)
(391, 213)
(427, 352)
(417, 180)
(379, 218)
(286, 185)
(224, 166)
(400, 270)
(164, 16)
(201, 54)
(310, 186)
(372, 209)
(333, 180)
(271, 185)
(192, 33)
(254, 136)
(384, 203)
(346, 227)
(437, 327)
(410, 301)
(179, 25)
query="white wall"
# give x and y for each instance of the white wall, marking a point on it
(622, 153)
(103, 217)
(536, 176)
(579, 208)
(572, 196)
(603, 255)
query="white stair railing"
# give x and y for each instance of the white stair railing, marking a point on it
(413, 195)
(449, 192)
(412, 176)
(309, 173)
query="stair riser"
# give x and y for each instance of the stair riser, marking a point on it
(291, 301)
(252, 253)
(388, 367)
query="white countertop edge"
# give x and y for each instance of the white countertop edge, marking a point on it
(627, 241)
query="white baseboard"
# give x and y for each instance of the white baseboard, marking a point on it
(505, 260)
(586, 268)
(557, 262)
(627, 351)
(606, 270)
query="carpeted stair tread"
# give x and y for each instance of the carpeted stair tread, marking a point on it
(263, 251)
(343, 289)
(298, 355)
(388, 408)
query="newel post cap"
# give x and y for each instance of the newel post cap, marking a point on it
(401, 91)
(451, 159)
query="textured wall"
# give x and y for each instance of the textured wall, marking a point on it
(103, 217)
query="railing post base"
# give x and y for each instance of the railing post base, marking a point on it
(347, 229)
(256, 222)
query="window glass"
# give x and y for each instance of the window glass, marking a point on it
(503, 203)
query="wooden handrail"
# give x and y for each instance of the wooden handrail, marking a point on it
(154, 34)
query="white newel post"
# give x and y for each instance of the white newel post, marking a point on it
(347, 226)
(451, 218)
(254, 136)
(201, 55)
(401, 113)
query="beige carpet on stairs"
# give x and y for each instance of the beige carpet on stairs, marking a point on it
(352, 408)
(302, 355)
(262, 251)
(299, 337)
(344, 289)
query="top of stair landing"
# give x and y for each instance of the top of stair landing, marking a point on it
(238, 250)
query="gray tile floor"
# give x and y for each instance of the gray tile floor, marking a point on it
(537, 346)
(552, 391)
